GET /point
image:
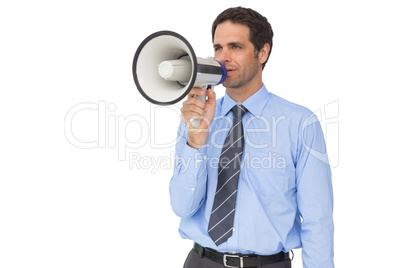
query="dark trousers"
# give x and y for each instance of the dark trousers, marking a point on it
(196, 260)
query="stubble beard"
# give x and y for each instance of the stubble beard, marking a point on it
(243, 78)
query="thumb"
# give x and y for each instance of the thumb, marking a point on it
(210, 104)
(211, 97)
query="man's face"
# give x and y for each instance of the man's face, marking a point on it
(233, 49)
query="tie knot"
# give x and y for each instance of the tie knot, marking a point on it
(239, 111)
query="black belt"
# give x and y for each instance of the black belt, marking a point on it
(240, 260)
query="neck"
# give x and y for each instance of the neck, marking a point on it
(241, 94)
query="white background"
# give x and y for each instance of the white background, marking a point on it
(65, 206)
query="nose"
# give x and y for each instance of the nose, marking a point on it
(224, 56)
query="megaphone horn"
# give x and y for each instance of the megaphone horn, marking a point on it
(165, 69)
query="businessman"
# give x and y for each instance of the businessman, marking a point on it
(253, 181)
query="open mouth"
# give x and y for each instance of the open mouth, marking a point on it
(230, 71)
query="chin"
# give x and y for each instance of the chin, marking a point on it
(231, 84)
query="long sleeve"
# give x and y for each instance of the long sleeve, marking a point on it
(188, 184)
(314, 196)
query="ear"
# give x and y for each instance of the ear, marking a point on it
(263, 54)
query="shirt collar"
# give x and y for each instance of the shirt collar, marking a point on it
(254, 104)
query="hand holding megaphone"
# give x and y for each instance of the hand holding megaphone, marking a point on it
(195, 108)
(165, 70)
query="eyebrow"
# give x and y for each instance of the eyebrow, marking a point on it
(230, 44)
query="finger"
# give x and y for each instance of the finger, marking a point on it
(196, 91)
(192, 109)
(188, 116)
(194, 101)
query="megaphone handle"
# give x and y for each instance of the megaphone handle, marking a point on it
(196, 122)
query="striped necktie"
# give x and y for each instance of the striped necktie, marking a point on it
(220, 226)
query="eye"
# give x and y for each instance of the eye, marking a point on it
(236, 47)
(218, 49)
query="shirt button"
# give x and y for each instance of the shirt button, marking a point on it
(192, 189)
(205, 157)
(198, 161)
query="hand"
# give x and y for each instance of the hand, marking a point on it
(193, 108)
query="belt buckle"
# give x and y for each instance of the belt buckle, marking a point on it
(232, 256)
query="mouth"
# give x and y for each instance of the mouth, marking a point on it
(230, 71)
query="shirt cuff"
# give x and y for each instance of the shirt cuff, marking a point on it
(191, 163)
(198, 155)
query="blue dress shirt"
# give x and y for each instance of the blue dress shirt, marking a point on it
(284, 198)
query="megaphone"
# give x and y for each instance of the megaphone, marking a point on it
(165, 69)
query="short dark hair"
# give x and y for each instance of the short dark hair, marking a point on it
(260, 29)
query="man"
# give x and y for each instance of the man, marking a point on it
(253, 181)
